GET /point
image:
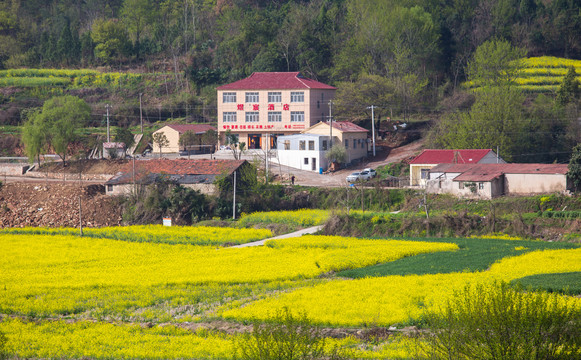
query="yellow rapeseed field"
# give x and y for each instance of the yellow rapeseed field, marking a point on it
(397, 299)
(302, 217)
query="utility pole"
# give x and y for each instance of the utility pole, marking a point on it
(80, 217)
(266, 158)
(234, 197)
(372, 126)
(141, 112)
(330, 124)
(134, 188)
(108, 134)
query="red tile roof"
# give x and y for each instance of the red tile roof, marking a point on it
(346, 126)
(462, 156)
(275, 81)
(176, 167)
(489, 172)
(196, 128)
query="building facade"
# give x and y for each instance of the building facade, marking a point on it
(352, 137)
(304, 151)
(173, 132)
(264, 106)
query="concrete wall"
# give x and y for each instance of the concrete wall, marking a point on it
(310, 160)
(174, 139)
(13, 169)
(535, 183)
(126, 189)
(489, 189)
(415, 174)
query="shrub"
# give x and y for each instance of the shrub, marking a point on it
(499, 322)
(285, 337)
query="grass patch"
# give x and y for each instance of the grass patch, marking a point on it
(564, 283)
(474, 255)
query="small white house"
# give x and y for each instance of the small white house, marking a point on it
(304, 151)
(114, 150)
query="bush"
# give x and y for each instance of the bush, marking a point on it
(499, 322)
(285, 337)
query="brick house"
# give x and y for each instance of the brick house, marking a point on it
(195, 174)
(492, 180)
(420, 166)
(269, 105)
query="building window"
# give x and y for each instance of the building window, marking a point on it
(311, 145)
(297, 96)
(287, 144)
(363, 144)
(346, 143)
(252, 116)
(318, 104)
(274, 97)
(461, 185)
(322, 96)
(109, 187)
(306, 161)
(229, 97)
(354, 143)
(480, 186)
(229, 116)
(274, 116)
(297, 116)
(252, 97)
(302, 145)
(424, 173)
(324, 146)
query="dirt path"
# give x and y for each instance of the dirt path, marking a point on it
(302, 232)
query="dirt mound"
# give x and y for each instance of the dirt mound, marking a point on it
(57, 205)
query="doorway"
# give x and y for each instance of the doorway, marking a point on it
(254, 141)
(314, 164)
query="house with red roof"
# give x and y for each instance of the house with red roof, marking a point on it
(195, 174)
(420, 166)
(173, 132)
(492, 180)
(266, 105)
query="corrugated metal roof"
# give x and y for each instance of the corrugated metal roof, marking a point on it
(275, 81)
(446, 156)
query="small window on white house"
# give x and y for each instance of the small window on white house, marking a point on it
(287, 144)
(424, 173)
(306, 161)
(109, 187)
(302, 145)
(480, 186)
(311, 145)
(346, 143)
(324, 145)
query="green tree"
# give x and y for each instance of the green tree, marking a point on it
(137, 14)
(59, 120)
(187, 139)
(111, 40)
(499, 322)
(496, 119)
(34, 137)
(236, 147)
(161, 141)
(569, 89)
(337, 154)
(574, 171)
(125, 136)
(494, 63)
(353, 98)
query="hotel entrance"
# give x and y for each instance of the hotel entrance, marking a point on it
(254, 141)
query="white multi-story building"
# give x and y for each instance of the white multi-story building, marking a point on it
(269, 105)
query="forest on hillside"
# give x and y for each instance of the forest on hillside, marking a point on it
(408, 57)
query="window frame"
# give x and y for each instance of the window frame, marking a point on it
(297, 97)
(229, 97)
(302, 145)
(297, 114)
(272, 114)
(252, 97)
(229, 116)
(274, 97)
(251, 115)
